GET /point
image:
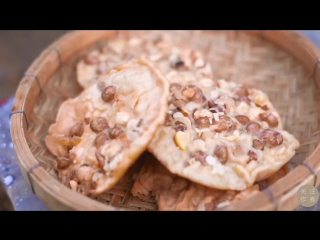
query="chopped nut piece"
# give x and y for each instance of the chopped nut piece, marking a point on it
(188, 93)
(179, 103)
(224, 124)
(108, 94)
(101, 86)
(115, 132)
(203, 122)
(271, 138)
(257, 144)
(241, 91)
(61, 163)
(245, 99)
(242, 119)
(200, 156)
(211, 104)
(175, 87)
(210, 206)
(100, 140)
(180, 126)
(98, 124)
(252, 155)
(100, 158)
(269, 118)
(253, 127)
(76, 130)
(91, 60)
(221, 153)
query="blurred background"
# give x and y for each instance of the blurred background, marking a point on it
(17, 51)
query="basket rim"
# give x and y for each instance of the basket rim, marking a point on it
(59, 51)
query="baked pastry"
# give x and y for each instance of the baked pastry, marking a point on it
(220, 134)
(160, 47)
(98, 135)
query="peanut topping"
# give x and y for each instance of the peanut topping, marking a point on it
(61, 163)
(253, 127)
(168, 120)
(222, 153)
(76, 130)
(269, 118)
(188, 93)
(175, 87)
(72, 157)
(245, 99)
(198, 96)
(180, 126)
(108, 93)
(179, 103)
(91, 60)
(257, 144)
(200, 156)
(262, 106)
(115, 132)
(210, 206)
(100, 140)
(100, 158)
(98, 124)
(271, 138)
(87, 120)
(252, 155)
(242, 119)
(224, 124)
(101, 86)
(241, 91)
(211, 104)
(203, 122)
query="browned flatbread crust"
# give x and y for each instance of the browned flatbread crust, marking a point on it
(98, 135)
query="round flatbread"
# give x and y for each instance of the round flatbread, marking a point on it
(98, 135)
(168, 54)
(221, 134)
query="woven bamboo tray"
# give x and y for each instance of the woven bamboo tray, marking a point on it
(284, 64)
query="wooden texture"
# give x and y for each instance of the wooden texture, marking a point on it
(260, 59)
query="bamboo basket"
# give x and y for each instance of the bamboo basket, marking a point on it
(284, 64)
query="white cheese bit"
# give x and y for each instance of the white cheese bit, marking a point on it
(96, 176)
(114, 163)
(206, 82)
(223, 84)
(134, 42)
(178, 115)
(199, 63)
(214, 94)
(82, 172)
(236, 133)
(203, 113)
(133, 129)
(73, 185)
(251, 166)
(217, 166)
(122, 118)
(223, 204)
(190, 106)
(242, 108)
(79, 152)
(216, 116)
(231, 138)
(197, 130)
